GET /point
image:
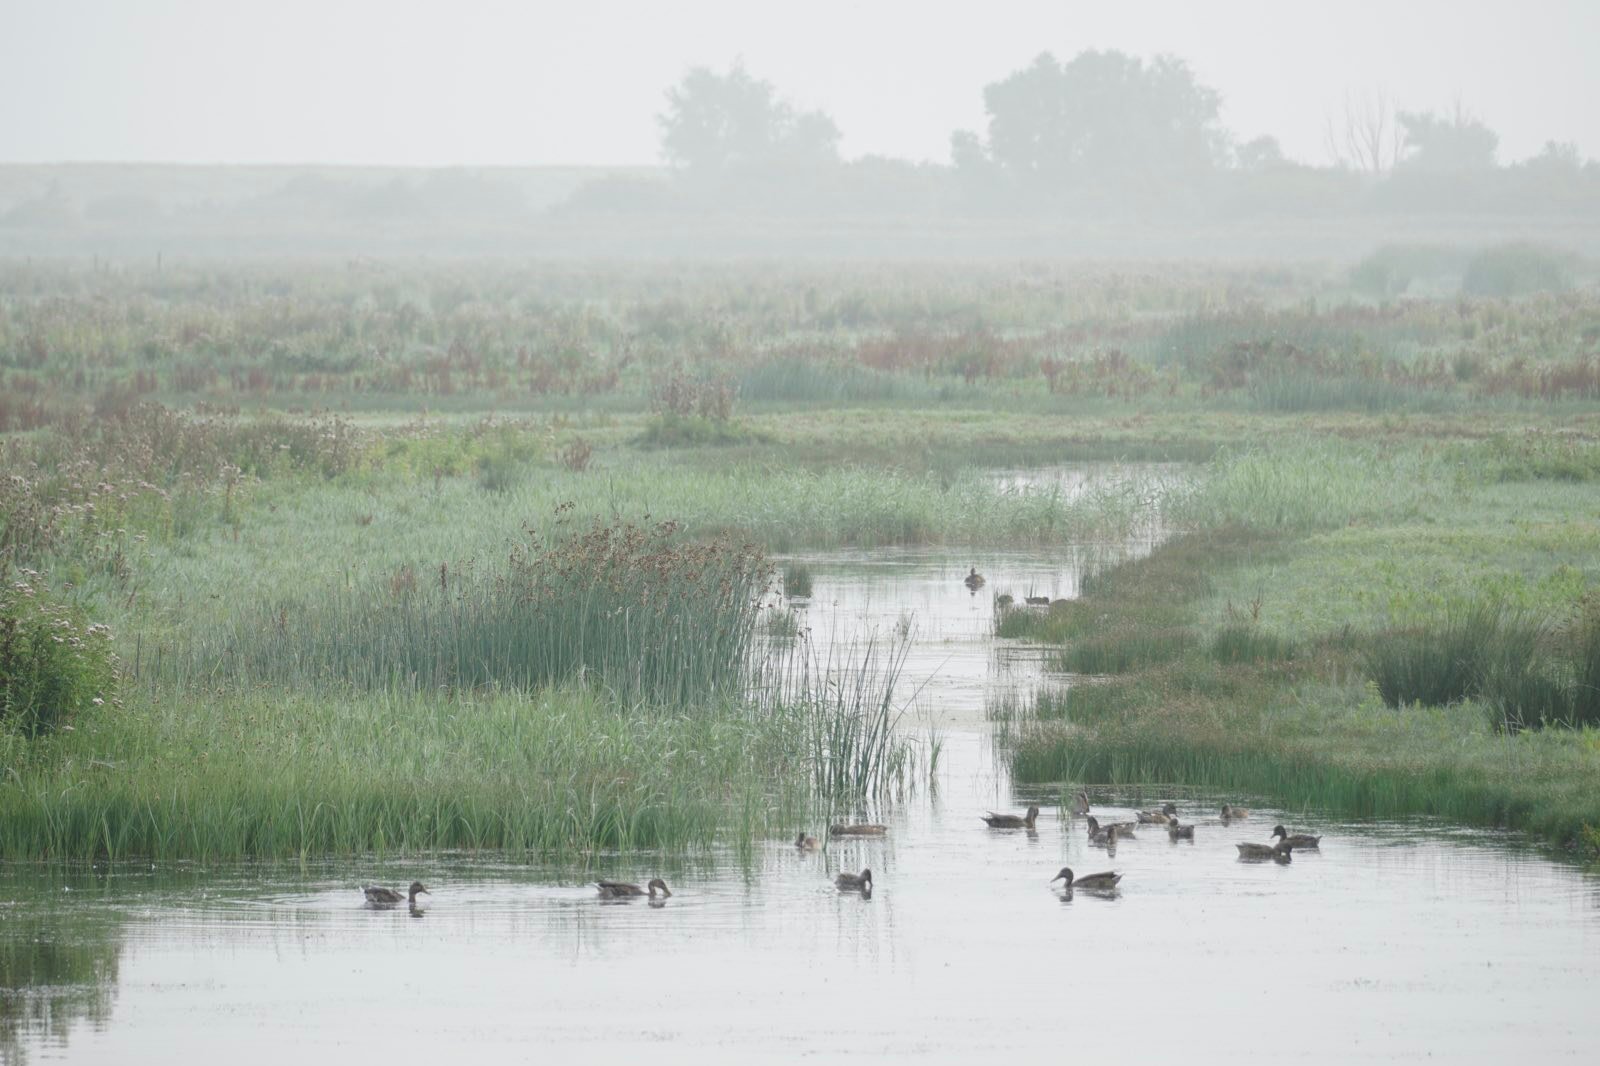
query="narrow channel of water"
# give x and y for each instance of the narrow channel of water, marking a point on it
(1396, 941)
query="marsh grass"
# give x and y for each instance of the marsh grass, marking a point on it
(848, 699)
(272, 774)
(635, 611)
(1531, 673)
(797, 579)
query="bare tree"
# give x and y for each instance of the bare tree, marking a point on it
(1365, 137)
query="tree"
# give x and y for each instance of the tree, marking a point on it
(1104, 120)
(1263, 153)
(1365, 137)
(1447, 144)
(715, 123)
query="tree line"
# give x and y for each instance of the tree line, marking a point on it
(1101, 132)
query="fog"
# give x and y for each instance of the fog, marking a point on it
(540, 101)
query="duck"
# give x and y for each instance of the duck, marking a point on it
(623, 890)
(1080, 803)
(1012, 821)
(862, 829)
(1230, 813)
(1279, 852)
(1179, 832)
(1296, 840)
(861, 882)
(1103, 882)
(1166, 814)
(805, 843)
(379, 896)
(1037, 601)
(1097, 832)
(1004, 600)
(974, 580)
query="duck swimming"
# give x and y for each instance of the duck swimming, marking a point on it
(623, 890)
(974, 580)
(379, 896)
(1179, 832)
(1279, 852)
(1100, 834)
(861, 882)
(1080, 803)
(1229, 813)
(1012, 821)
(1102, 882)
(1296, 840)
(805, 843)
(1161, 817)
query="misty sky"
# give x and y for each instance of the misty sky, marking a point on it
(490, 82)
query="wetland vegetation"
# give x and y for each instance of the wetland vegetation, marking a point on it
(410, 557)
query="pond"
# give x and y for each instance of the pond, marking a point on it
(1394, 941)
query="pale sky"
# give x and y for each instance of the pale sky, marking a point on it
(494, 82)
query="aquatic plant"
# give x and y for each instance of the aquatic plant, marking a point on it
(634, 610)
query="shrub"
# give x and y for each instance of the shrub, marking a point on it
(1518, 269)
(54, 664)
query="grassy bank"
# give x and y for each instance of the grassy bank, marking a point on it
(276, 774)
(1242, 654)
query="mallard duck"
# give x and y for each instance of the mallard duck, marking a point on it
(1231, 813)
(865, 829)
(1037, 601)
(1092, 882)
(1080, 803)
(1161, 817)
(1004, 600)
(1296, 840)
(1012, 821)
(388, 897)
(974, 580)
(861, 882)
(1279, 851)
(623, 890)
(805, 843)
(1179, 832)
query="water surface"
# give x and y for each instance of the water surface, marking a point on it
(1396, 942)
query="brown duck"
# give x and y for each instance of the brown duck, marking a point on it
(1012, 821)
(1162, 817)
(1279, 852)
(379, 896)
(623, 890)
(1092, 882)
(1296, 840)
(1179, 832)
(805, 843)
(861, 882)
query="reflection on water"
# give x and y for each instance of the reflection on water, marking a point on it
(59, 959)
(1395, 941)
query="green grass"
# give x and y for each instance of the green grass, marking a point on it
(1454, 577)
(297, 774)
(645, 616)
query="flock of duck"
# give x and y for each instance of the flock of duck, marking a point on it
(1163, 819)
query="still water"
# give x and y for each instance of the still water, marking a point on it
(1396, 942)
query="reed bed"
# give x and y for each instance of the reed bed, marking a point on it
(294, 775)
(633, 610)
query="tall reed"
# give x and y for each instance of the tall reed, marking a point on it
(634, 610)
